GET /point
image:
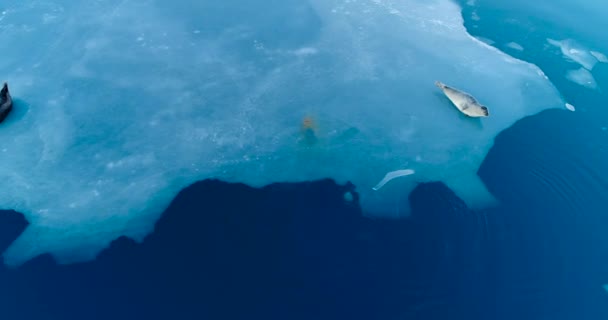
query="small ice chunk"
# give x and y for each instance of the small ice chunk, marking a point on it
(475, 16)
(583, 77)
(570, 107)
(515, 46)
(393, 175)
(599, 56)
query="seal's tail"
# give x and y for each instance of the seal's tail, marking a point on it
(439, 84)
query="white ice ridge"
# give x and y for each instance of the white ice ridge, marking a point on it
(121, 104)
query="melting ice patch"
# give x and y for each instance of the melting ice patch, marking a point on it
(475, 16)
(515, 46)
(578, 53)
(582, 77)
(120, 104)
(583, 56)
(599, 56)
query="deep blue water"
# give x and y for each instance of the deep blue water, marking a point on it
(227, 251)
(299, 251)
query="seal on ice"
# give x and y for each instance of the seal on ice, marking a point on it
(6, 102)
(464, 101)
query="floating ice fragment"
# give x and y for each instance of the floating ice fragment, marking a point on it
(393, 175)
(576, 52)
(570, 107)
(515, 46)
(599, 56)
(582, 77)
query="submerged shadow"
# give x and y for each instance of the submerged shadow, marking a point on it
(20, 109)
(302, 251)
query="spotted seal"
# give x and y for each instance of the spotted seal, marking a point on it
(464, 101)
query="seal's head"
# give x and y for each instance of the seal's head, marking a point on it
(484, 111)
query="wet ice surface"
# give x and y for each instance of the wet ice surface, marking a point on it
(121, 104)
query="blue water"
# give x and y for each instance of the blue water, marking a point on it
(299, 251)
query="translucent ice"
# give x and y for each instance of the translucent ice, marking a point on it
(578, 53)
(120, 104)
(599, 56)
(515, 46)
(582, 77)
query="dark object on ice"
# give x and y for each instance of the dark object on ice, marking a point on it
(6, 102)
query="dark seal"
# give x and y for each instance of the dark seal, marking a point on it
(6, 102)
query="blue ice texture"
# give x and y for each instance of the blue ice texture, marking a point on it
(121, 104)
